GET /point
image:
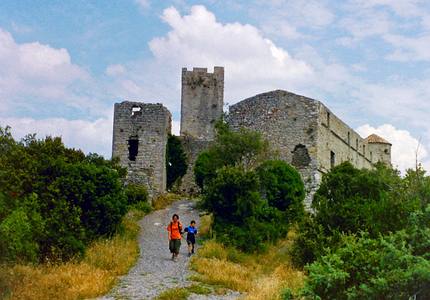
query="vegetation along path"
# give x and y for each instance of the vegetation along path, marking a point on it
(154, 271)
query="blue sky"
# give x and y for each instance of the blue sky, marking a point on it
(63, 64)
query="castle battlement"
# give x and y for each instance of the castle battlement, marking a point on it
(202, 101)
(217, 71)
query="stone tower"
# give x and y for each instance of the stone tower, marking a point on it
(202, 101)
(140, 132)
(379, 149)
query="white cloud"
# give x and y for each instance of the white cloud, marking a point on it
(115, 70)
(143, 4)
(90, 136)
(20, 28)
(299, 13)
(409, 48)
(30, 71)
(281, 28)
(253, 63)
(363, 24)
(400, 100)
(404, 8)
(404, 149)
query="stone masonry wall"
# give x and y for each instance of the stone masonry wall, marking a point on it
(380, 153)
(202, 103)
(141, 130)
(337, 142)
(290, 123)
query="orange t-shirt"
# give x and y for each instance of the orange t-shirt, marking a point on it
(175, 233)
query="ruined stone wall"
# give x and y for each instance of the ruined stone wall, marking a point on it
(202, 103)
(290, 124)
(140, 132)
(337, 142)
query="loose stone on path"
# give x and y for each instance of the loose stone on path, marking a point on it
(154, 271)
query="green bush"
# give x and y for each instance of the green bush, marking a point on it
(282, 187)
(243, 148)
(205, 168)
(312, 242)
(241, 217)
(143, 207)
(57, 199)
(350, 200)
(233, 195)
(176, 160)
(136, 193)
(365, 268)
(17, 241)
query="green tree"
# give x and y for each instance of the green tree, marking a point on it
(241, 217)
(366, 268)
(350, 200)
(243, 148)
(283, 188)
(55, 200)
(176, 160)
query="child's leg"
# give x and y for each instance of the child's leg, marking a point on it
(190, 246)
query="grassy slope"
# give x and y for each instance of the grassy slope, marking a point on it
(259, 276)
(91, 276)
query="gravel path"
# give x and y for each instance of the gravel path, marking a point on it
(155, 272)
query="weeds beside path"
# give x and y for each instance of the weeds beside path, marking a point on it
(89, 277)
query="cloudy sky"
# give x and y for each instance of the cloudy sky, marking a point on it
(63, 64)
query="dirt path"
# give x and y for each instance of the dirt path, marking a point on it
(155, 272)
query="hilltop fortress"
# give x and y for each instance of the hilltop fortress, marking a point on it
(304, 132)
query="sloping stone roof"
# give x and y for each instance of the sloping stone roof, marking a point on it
(376, 139)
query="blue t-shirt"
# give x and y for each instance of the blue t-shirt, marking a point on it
(191, 232)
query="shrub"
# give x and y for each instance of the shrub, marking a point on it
(233, 195)
(57, 199)
(365, 268)
(17, 242)
(176, 160)
(244, 148)
(283, 188)
(241, 217)
(350, 201)
(353, 200)
(136, 193)
(205, 167)
(311, 242)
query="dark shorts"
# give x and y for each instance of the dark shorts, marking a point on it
(174, 246)
(191, 241)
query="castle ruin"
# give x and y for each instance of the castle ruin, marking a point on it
(304, 132)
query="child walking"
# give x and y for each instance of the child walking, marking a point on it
(191, 237)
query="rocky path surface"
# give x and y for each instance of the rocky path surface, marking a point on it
(154, 271)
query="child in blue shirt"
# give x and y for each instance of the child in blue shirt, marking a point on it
(191, 237)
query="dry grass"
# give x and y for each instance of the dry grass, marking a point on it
(184, 292)
(88, 278)
(205, 226)
(260, 276)
(165, 200)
